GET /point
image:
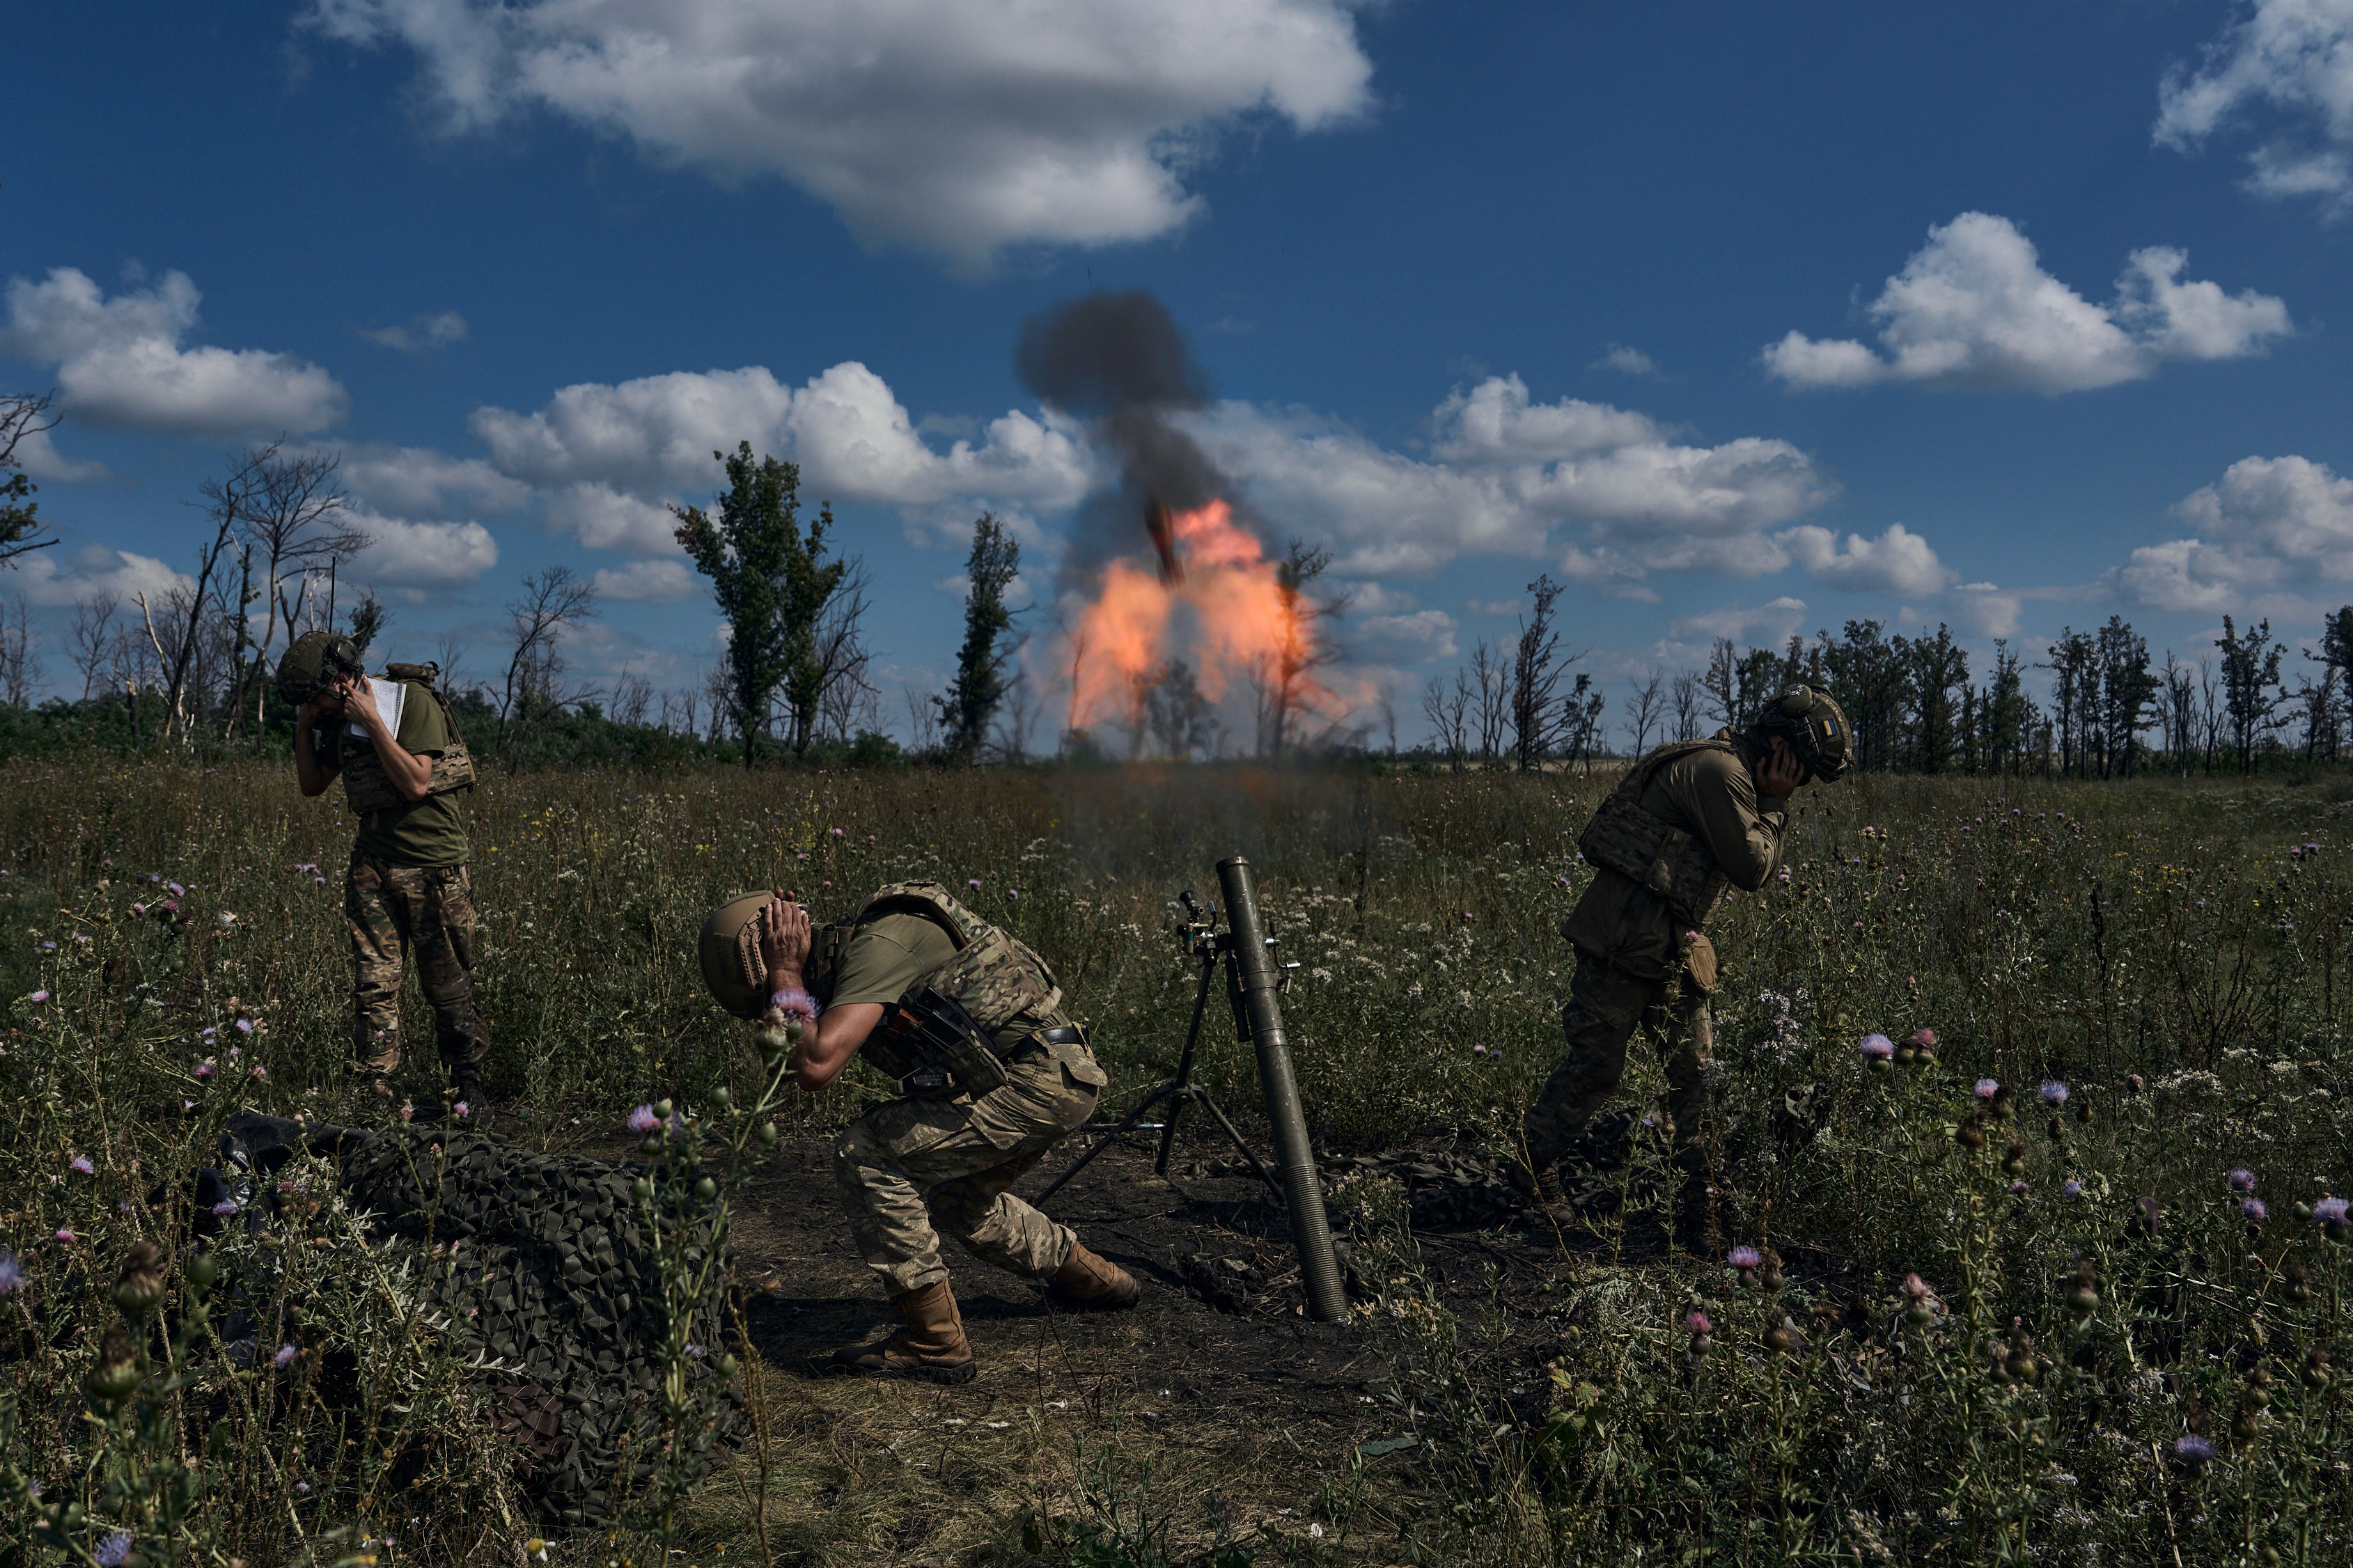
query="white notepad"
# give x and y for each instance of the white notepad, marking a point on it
(389, 695)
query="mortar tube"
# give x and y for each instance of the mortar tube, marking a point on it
(1311, 1228)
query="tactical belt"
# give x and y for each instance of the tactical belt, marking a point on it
(933, 1083)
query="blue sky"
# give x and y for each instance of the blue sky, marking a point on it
(1741, 319)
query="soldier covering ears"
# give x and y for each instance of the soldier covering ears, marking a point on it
(991, 1074)
(1688, 821)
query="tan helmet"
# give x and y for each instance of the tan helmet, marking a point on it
(734, 969)
(730, 950)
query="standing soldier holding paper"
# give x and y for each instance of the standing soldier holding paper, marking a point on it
(408, 888)
(1688, 821)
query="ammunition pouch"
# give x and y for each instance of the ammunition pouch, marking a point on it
(938, 1045)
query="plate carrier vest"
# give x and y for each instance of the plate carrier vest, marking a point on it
(1627, 840)
(1004, 988)
(368, 788)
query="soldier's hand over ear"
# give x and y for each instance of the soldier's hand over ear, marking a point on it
(783, 937)
(1779, 774)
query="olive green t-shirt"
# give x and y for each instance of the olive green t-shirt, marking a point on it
(886, 955)
(428, 831)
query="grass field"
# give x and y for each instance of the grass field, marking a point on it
(2094, 1302)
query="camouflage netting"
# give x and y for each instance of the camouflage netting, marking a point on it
(566, 1292)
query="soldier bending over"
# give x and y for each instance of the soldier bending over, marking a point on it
(1687, 821)
(991, 1074)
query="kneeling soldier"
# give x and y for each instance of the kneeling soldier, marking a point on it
(1686, 822)
(991, 1074)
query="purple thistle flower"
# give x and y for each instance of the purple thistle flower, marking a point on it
(1986, 1089)
(836, 832)
(63, 1233)
(48, 947)
(1697, 1322)
(2053, 1092)
(204, 1067)
(2018, 1189)
(2192, 1449)
(643, 1120)
(463, 1110)
(177, 891)
(972, 881)
(2329, 1211)
(12, 1274)
(2242, 1180)
(81, 1162)
(1877, 1048)
(284, 1358)
(245, 1026)
(1744, 1257)
(794, 1003)
(37, 997)
(2071, 1188)
(2255, 1210)
(1478, 1050)
(113, 1549)
(225, 1209)
(302, 1486)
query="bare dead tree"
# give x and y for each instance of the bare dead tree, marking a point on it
(632, 694)
(1540, 721)
(923, 720)
(554, 601)
(449, 659)
(1648, 713)
(1017, 718)
(292, 520)
(1448, 710)
(20, 663)
(176, 640)
(23, 417)
(1489, 686)
(1285, 675)
(1683, 703)
(844, 695)
(93, 639)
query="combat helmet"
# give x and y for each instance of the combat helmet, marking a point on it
(311, 664)
(732, 968)
(1810, 719)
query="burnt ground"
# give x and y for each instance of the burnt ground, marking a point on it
(1216, 1387)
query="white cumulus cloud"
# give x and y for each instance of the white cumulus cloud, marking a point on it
(2294, 57)
(957, 126)
(1505, 473)
(95, 570)
(611, 450)
(1771, 623)
(421, 334)
(422, 555)
(1973, 307)
(2269, 526)
(418, 482)
(121, 361)
(1897, 561)
(645, 581)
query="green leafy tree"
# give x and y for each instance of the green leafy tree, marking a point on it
(771, 581)
(979, 687)
(23, 417)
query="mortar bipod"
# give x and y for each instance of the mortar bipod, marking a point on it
(1208, 946)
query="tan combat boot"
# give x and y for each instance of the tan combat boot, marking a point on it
(929, 1343)
(1087, 1282)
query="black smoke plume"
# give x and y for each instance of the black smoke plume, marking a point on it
(1119, 361)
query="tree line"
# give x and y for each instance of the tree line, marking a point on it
(1914, 705)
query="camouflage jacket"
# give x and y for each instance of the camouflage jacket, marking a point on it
(1683, 824)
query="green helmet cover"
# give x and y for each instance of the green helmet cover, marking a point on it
(311, 664)
(1813, 723)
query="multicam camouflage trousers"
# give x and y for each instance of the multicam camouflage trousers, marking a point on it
(392, 912)
(908, 1165)
(1606, 1005)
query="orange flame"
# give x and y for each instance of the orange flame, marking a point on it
(1228, 604)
